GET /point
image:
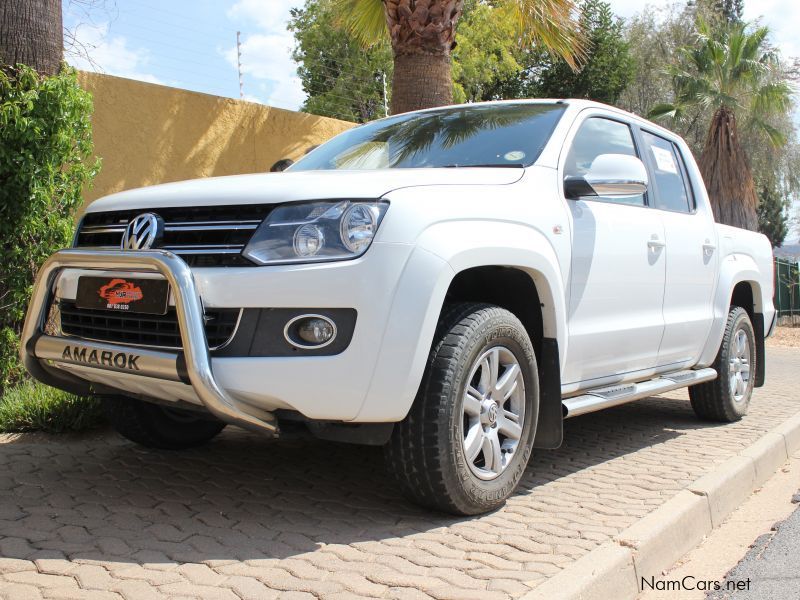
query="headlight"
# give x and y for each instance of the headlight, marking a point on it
(315, 232)
(358, 227)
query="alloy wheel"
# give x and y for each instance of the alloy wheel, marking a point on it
(739, 365)
(493, 412)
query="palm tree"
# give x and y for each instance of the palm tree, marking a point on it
(422, 33)
(730, 71)
(30, 34)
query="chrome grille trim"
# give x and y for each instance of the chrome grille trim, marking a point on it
(178, 227)
(100, 229)
(202, 242)
(183, 250)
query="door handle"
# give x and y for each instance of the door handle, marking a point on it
(708, 248)
(655, 244)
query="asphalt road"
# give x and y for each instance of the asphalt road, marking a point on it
(772, 565)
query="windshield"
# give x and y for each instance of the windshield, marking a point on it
(483, 135)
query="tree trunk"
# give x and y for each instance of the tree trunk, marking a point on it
(727, 174)
(421, 81)
(423, 34)
(31, 34)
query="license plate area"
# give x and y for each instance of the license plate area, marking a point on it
(123, 294)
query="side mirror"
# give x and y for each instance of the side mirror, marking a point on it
(610, 175)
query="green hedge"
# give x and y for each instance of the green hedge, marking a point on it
(31, 406)
(45, 163)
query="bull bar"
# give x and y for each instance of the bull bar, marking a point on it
(192, 366)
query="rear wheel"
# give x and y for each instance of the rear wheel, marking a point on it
(466, 441)
(727, 398)
(157, 426)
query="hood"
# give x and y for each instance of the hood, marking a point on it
(273, 188)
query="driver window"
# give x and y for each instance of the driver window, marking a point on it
(597, 136)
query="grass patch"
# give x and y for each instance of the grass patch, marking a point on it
(32, 406)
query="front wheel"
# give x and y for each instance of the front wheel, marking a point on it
(466, 442)
(156, 426)
(727, 398)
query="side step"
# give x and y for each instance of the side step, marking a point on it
(627, 392)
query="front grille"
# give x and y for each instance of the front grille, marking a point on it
(203, 236)
(159, 331)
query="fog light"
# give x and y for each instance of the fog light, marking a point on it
(315, 331)
(310, 331)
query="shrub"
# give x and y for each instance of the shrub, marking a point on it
(32, 406)
(45, 149)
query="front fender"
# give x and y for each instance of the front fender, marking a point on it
(442, 251)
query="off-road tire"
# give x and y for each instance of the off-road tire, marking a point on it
(154, 426)
(426, 452)
(715, 400)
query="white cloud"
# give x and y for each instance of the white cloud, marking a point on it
(627, 8)
(266, 53)
(269, 15)
(95, 50)
(252, 98)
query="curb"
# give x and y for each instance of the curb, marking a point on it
(656, 542)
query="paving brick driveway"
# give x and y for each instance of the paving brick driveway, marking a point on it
(97, 517)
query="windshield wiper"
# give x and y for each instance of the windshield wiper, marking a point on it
(488, 165)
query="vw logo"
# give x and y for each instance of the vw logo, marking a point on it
(492, 413)
(143, 232)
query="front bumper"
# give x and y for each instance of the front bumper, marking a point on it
(192, 365)
(396, 289)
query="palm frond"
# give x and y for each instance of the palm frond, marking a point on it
(664, 110)
(776, 137)
(551, 23)
(771, 98)
(755, 41)
(734, 50)
(363, 19)
(704, 29)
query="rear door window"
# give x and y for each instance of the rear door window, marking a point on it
(669, 174)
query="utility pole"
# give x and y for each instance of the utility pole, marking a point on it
(385, 99)
(239, 63)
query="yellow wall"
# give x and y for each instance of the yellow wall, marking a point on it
(148, 134)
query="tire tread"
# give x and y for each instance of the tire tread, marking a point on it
(142, 423)
(711, 400)
(414, 453)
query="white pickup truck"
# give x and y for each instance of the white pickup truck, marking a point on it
(450, 283)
